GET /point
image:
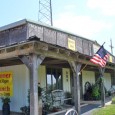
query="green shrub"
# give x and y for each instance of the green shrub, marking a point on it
(113, 100)
(5, 99)
(95, 92)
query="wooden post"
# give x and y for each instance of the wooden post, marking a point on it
(76, 69)
(102, 70)
(32, 62)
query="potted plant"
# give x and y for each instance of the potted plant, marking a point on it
(26, 109)
(6, 105)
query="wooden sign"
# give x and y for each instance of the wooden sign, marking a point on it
(71, 44)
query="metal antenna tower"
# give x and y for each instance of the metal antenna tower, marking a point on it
(111, 46)
(45, 12)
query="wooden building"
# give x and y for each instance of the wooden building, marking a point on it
(35, 52)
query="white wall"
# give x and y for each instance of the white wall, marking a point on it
(42, 76)
(21, 82)
(20, 86)
(87, 76)
(66, 79)
(107, 80)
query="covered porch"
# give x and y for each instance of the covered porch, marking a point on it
(41, 55)
(31, 55)
(54, 63)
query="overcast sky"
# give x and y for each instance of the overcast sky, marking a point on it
(92, 19)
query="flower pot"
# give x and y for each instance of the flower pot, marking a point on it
(6, 109)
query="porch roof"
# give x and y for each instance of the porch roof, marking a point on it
(24, 21)
(24, 33)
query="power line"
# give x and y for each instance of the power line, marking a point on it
(111, 46)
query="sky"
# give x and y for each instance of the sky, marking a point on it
(92, 19)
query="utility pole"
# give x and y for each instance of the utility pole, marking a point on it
(111, 46)
(45, 12)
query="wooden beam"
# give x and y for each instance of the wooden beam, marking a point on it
(101, 71)
(33, 61)
(45, 49)
(54, 61)
(64, 54)
(76, 69)
(15, 52)
(52, 54)
(25, 60)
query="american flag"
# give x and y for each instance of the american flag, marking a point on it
(101, 57)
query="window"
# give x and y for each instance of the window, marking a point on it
(53, 78)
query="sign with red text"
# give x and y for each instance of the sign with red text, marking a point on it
(6, 84)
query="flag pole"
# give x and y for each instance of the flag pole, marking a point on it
(101, 62)
(103, 43)
(82, 68)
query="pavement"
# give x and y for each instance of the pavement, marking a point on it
(93, 105)
(87, 107)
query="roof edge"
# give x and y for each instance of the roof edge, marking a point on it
(12, 25)
(24, 21)
(58, 29)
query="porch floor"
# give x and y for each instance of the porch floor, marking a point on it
(86, 107)
(12, 113)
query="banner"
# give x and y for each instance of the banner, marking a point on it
(6, 84)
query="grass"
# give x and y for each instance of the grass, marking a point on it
(107, 110)
(113, 100)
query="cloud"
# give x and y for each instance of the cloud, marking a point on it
(107, 7)
(81, 25)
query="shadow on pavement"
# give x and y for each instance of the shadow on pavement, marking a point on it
(87, 109)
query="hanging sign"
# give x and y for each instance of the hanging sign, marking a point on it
(6, 84)
(71, 44)
(110, 58)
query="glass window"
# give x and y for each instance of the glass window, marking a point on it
(53, 79)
